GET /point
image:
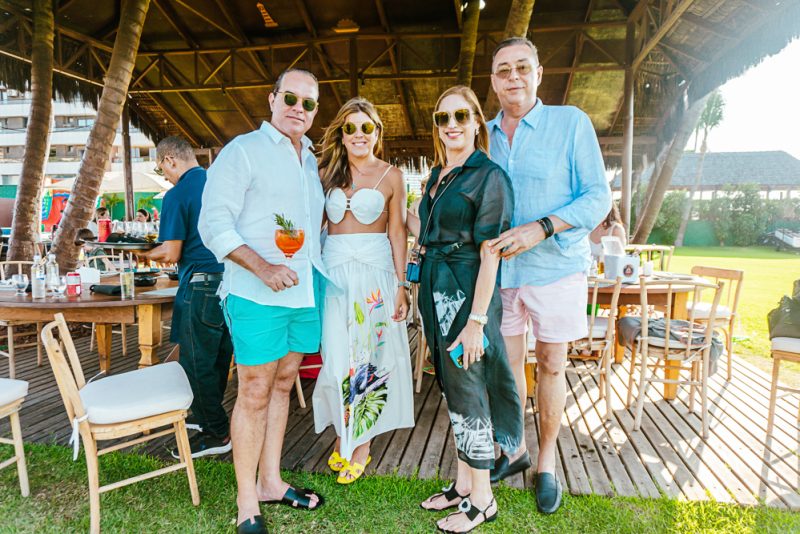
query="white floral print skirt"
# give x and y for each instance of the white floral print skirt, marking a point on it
(364, 387)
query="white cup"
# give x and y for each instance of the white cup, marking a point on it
(647, 268)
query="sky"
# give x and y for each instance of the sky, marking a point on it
(762, 107)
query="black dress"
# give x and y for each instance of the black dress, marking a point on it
(472, 204)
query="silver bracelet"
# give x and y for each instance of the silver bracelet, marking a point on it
(405, 283)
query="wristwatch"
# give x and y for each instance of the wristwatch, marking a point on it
(479, 318)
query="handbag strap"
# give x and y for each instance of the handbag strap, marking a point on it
(430, 213)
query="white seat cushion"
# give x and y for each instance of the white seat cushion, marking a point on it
(702, 310)
(659, 342)
(786, 344)
(12, 390)
(137, 394)
(600, 327)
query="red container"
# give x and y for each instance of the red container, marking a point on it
(103, 229)
(73, 284)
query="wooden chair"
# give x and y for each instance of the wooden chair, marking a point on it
(422, 351)
(17, 329)
(783, 349)
(119, 406)
(12, 394)
(301, 398)
(602, 332)
(689, 356)
(530, 365)
(662, 254)
(729, 303)
(109, 263)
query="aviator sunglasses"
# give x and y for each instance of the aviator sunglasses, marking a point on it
(504, 72)
(290, 99)
(366, 127)
(442, 118)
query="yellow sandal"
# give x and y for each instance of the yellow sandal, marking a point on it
(336, 462)
(353, 469)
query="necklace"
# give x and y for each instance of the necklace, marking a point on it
(360, 173)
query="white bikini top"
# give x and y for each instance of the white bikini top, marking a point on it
(365, 204)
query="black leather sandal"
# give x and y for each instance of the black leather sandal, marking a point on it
(471, 512)
(298, 499)
(448, 493)
(252, 526)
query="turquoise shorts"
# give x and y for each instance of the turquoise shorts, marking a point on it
(262, 334)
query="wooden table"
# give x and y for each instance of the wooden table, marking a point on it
(656, 296)
(104, 311)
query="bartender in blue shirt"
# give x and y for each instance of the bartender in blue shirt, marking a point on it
(198, 325)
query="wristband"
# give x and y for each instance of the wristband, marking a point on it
(405, 283)
(547, 226)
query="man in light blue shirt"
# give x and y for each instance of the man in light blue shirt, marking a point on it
(271, 300)
(553, 158)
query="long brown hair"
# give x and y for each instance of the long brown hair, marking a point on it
(333, 159)
(612, 217)
(481, 136)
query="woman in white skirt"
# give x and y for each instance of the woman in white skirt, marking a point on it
(364, 388)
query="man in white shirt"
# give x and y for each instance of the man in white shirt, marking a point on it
(272, 303)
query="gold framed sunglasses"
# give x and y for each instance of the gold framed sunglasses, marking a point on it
(366, 128)
(442, 118)
(290, 99)
(504, 72)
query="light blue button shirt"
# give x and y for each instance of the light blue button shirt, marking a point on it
(556, 168)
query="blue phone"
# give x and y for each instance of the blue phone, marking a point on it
(457, 354)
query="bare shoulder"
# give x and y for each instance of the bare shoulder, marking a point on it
(395, 177)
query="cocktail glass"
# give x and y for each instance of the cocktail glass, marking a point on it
(289, 241)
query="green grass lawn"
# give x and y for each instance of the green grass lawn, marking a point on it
(768, 275)
(59, 503)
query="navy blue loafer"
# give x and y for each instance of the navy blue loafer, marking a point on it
(548, 493)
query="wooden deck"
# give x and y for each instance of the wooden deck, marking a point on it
(736, 464)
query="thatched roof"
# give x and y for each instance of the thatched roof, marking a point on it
(405, 53)
(775, 169)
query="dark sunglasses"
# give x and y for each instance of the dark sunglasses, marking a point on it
(158, 170)
(290, 99)
(366, 127)
(442, 118)
(504, 72)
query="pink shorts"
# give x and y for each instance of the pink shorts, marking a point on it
(557, 311)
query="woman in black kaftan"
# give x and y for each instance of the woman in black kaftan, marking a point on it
(468, 201)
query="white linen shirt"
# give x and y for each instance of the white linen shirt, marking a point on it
(255, 176)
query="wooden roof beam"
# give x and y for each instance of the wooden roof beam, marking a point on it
(323, 57)
(206, 18)
(174, 21)
(399, 88)
(717, 29)
(666, 26)
(243, 39)
(578, 51)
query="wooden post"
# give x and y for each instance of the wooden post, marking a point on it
(627, 134)
(353, 68)
(130, 207)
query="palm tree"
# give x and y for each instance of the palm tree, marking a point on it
(98, 147)
(469, 40)
(709, 119)
(27, 206)
(519, 17)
